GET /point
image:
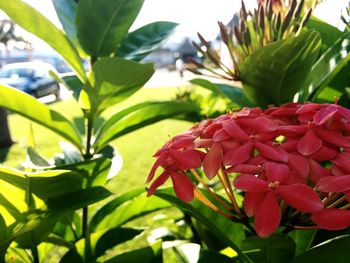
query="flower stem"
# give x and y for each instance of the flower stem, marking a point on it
(35, 254)
(337, 202)
(209, 204)
(214, 195)
(232, 196)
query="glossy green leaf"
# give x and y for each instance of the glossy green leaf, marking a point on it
(37, 235)
(71, 81)
(277, 248)
(235, 94)
(151, 254)
(329, 34)
(326, 68)
(139, 116)
(32, 221)
(79, 199)
(137, 207)
(27, 106)
(209, 256)
(333, 250)
(45, 184)
(34, 22)
(113, 205)
(273, 74)
(94, 171)
(72, 256)
(303, 239)
(143, 41)
(36, 159)
(65, 10)
(228, 231)
(110, 21)
(112, 238)
(115, 79)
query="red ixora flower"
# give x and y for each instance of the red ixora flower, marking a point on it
(264, 191)
(285, 160)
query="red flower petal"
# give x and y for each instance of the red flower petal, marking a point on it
(309, 144)
(333, 137)
(212, 161)
(203, 143)
(260, 124)
(335, 170)
(277, 172)
(268, 215)
(238, 155)
(250, 183)
(334, 184)
(160, 160)
(324, 154)
(234, 130)
(332, 219)
(183, 186)
(187, 159)
(221, 135)
(158, 182)
(272, 153)
(244, 169)
(298, 164)
(229, 145)
(317, 171)
(342, 161)
(182, 141)
(325, 114)
(251, 202)
(290, 145)
(309, 107)
(301, 197)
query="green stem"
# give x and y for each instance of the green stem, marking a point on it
(35, 254)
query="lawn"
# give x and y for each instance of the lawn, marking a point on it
(136, 148)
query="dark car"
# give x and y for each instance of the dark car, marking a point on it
(31, 77)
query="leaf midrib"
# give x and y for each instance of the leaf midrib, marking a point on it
(107, 28)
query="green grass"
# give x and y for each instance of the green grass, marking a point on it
(136, 148)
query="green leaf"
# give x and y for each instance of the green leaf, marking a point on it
(46, 184)
(115, 79)
(326, 68)
(27, 106)
(34, 22)
(277, 248)
(128, 211)
(235, 94)
(139, 116)
(273, 74)
(36, 159)
(37, 235)
(209, 256)
(329, 34)
(303, 239)
(76, 200)
(228, 231)
(110, 21)
(151, 254)
(114, 204)
(72, 256)
(94, 171)
(65, 10)
(333, 250)
(71, 81)
(112, 238)
(143, 41)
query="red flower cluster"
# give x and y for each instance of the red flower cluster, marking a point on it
(296, 155)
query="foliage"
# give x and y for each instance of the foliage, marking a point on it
(280, 53)
(42, 206)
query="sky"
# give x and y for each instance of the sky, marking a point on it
(192, 15)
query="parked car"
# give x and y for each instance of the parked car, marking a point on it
(31, 77)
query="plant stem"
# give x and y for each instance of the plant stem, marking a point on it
(35, 254)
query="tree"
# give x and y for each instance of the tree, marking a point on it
(7, 34)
